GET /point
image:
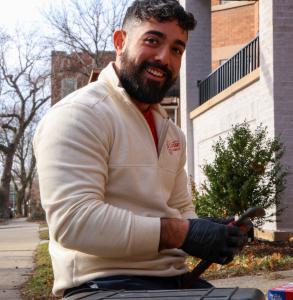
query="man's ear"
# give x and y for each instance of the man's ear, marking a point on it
(119, 37)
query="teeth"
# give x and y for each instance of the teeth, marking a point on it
(155, 73)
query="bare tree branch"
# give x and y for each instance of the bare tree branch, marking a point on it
(24, 91)
(4, 149)
(86, 27)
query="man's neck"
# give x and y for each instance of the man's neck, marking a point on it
(141, 106)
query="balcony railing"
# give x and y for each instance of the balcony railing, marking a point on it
(238, 66)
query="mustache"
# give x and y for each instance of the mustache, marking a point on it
(158, 65)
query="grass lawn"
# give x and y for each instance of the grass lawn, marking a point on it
(44, 235)
(40, 284)
(256, 258)
(43, 225)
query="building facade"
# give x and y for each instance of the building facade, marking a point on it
(233, 25)
(72, 71)
(262, 95)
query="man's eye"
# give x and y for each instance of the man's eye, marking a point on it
(151, 41)
(177, 51)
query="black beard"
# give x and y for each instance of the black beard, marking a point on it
(137, 86)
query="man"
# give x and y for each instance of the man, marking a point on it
(111, 169)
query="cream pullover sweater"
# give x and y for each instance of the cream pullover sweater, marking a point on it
(104, 186)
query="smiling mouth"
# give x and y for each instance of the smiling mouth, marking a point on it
(155, 72)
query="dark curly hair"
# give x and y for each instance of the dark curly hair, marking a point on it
(160, 10)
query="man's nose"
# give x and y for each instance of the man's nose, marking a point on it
(163, 56)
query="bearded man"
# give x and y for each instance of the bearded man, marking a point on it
(111, 169)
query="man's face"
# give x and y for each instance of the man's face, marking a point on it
(151, 58)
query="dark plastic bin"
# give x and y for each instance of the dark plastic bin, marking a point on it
(197, 294)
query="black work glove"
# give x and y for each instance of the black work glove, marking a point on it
(224, 221)
(247, 227)
(212, 241)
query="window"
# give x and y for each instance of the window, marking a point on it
(172, 111)
(68, 85)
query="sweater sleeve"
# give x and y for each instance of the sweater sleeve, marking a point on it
(180, 196)
(72, 146)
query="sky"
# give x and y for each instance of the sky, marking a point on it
(26, 13)
(22, 12)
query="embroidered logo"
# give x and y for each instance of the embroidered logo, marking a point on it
(173, 145)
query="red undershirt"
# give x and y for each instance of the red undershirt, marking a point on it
(150, 119)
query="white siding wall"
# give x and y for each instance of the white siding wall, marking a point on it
(250, 104)
(268, 101)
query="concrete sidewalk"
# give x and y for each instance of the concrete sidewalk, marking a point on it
(18, 241)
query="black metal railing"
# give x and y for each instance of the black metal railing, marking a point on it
(238, 66)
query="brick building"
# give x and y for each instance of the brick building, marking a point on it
(233, 25)
(72, 71)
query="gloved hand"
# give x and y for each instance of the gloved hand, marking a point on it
(246, 227)
(224, 221)
(212, 241)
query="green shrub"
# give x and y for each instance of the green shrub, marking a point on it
(246, 172)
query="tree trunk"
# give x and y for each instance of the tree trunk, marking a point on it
(25, 212)
(5, 182)
(19, 202)
(27, 199)
(4, 203)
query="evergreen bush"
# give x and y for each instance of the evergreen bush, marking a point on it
(246, 172)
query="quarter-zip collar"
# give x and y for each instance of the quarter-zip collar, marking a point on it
(109, 77)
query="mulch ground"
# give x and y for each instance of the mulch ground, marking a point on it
(258, 257)
(264, 248)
